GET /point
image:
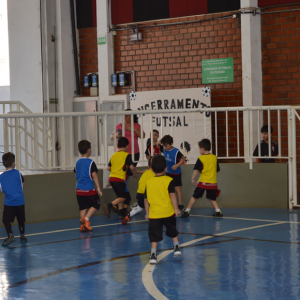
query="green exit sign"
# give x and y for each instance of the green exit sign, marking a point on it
(102, 40)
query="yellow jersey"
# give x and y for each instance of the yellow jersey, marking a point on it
(207, 164)
(119, 163)
(147, 175)
(158, 191)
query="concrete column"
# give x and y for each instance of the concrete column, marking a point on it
(106, 55)
(252, 71)
(25, 53)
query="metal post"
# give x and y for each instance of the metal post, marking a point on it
(26, 143)
(226, 118)
(96, 140)
(294, 161)
(216, 133)
(105, 140)
(63, 143)
(290, 164)
(238, 132)
(36, 151)
(132, 138)
(71, 141)
(279, 131)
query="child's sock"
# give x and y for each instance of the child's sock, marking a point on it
(217, 210)
(176, 244)
(153, 251)
(87, 218)
(188, 210)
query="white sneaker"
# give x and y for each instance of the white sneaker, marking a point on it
(135, 211)
(177, 251)
(153, 259)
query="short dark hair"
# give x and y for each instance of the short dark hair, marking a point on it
(150, 161)
(205, 144)
(135, 117)
(167, 139)
(186, 145)
(265, 128)
(158, 164)
(154, 130)
(84, 146)
(123, 142)
(8, 159)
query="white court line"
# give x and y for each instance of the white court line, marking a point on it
(244, 219)
(147, 275)
(63, 230)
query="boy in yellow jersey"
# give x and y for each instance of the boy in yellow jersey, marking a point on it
(148, 174)
(161, 207)
(208, 165)
(118, 166)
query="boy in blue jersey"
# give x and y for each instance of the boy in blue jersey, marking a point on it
(174, 160)
(86, 174)
(11, 184)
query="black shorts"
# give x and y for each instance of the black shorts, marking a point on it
(128, 199)
(176, 178)
(140, 198)
(210, 194)
(136, 158)
(86, 202)
(119, 188)
(10, 212)
(156, 228)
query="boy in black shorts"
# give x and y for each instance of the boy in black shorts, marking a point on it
(118, 165)
(264, 146)
(11, 184)
(208, 166)
(174, 160)
(86, 174)
(161, 207)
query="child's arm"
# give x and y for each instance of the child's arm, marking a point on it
(135, 172)
(95, 177)
(195, 174)
(146, 208)
(109, 169)
(175, 167)
(174, 202)
(257, 160)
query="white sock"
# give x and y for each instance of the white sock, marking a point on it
(87, 218)
(188, 209)
(153, 251)
(217, 210)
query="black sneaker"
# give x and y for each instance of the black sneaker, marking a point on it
(218, 214)
(153, 259)
(186, 214)
(177, 251)
(23, 239)
(8, 241)
(181, 207)
(115, 209)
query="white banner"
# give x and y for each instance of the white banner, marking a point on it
(187, 129)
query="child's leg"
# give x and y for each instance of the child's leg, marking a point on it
(191, 204)
(179, 194)
(83, 213)
(117, 201)
(215, 204)
(90, 212)
(21, 228)
(154, 246)
(8, 229)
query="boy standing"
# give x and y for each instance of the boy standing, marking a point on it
(208, 165)
(161, 207)
(147, 175)
(86, 174)
(264, 146)
(11, 184)
(157, 147)
(118, 165)
(174, 160)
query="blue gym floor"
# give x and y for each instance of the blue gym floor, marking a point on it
(249, 254)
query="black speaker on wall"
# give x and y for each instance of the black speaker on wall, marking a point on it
(215, 6)
(84, 13)
(145, 10)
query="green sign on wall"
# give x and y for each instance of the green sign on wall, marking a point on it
(217, 70)
(102, 40)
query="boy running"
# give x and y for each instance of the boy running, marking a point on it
(161, 207)
(148, 174)
(174, 160)
(208, 165)
(118, 165)
(11, 184)
(157, 147)
(86, 174)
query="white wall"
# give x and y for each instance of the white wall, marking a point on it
(25, 53)
(4, 93)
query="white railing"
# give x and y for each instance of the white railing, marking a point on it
(235, 133)
(29, 138)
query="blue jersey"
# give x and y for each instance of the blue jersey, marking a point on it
(84, 169)
(173, 157)
(11, 186)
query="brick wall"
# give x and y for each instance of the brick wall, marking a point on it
(281, 67)
(88, 54)
(170, 58)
